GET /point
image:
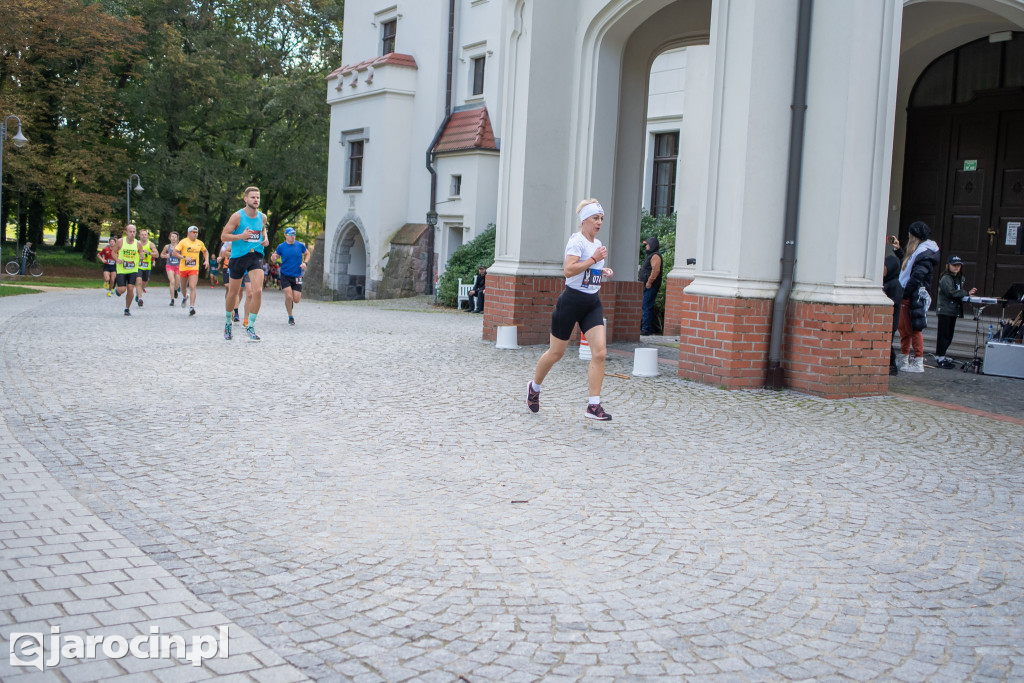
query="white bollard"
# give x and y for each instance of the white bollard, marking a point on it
(508, 337)
(645, 363)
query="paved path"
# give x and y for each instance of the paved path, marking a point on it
(377, 504)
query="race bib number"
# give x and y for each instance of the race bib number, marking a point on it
(127, 264)
(111, 262)
(591, 277)
(256, 238)
(191, 262)
(298, 280)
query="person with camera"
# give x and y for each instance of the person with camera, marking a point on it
(950, 307)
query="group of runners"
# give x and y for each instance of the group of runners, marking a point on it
(129, 260)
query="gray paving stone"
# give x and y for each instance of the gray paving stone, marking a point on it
(363, 529)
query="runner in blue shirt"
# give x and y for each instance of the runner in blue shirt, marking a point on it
(246, 230)
(293, 256)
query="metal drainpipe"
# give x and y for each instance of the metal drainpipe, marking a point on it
(430, 149)
(776, 376)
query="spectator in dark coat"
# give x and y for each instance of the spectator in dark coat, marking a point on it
(949, 307)
(919, 264)
(477, 292)
(892, 288)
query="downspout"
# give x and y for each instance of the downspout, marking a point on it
(432, 214)
(776, 376)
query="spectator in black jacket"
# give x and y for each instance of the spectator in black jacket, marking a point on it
(949, 307)
(476, 295)
(894, 290)
(919, 263)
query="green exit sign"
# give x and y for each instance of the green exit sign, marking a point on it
(970, 164)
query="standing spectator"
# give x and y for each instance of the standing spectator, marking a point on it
(922, 257)
(477, 293)
(650, 275)
(950, 307)
(894, 290)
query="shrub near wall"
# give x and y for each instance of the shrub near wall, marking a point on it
(463, 265)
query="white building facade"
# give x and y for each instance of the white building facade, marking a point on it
(577, 99)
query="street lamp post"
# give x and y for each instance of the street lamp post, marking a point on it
(128, 194)
(19, 141)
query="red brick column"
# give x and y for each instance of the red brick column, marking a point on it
(527, 301)
(675, 304)
(833, 351)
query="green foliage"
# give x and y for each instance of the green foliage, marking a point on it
(463, 264)
(664, 228)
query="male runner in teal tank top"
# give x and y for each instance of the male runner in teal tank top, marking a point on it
(246, 231)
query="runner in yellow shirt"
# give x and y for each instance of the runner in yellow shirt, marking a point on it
(189, 250)
(147, 253)
(127, 251)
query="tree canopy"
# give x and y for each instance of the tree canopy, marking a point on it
(200, 98)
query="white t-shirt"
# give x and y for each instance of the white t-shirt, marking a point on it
(589, 281)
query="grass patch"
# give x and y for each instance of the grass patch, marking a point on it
(10, 290)
(56, 281)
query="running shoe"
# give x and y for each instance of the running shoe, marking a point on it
(532, 398)
(252, 334)
(227, 332)
(172, 302)
(236, 318)
(109, 293)
(191, 311)
(596, 412)
(184, 301)
(291, 320)
(127, 312)
(139, 302)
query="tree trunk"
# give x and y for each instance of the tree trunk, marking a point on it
(22, 219)
(90, 240)
(36, 221)
(63, 228)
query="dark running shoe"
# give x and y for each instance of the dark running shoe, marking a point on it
(252, 334)
(127, 312)
(291, 320)
(227, 332)
(596, 412)
(532, 398)
(192, 311)
(184, 301)
(947, 364)
(172, 302)
(235, 318)
(139, 301)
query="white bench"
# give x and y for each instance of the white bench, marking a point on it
(463, 293)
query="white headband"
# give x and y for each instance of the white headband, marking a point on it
(590, 210)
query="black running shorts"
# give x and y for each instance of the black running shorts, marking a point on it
(243, 264)
(110, 268)
(572, 307)
(144, 275)
(294, 282)
(124, 279)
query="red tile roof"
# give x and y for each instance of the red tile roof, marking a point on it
(392, 58)
(469, 129)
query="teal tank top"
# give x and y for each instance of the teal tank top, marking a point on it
(240, 248)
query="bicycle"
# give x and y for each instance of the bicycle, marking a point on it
(33, 268)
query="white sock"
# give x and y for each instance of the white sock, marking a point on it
(536, 387)
(594, 400)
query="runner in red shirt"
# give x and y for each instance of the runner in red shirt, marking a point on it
(109, 260)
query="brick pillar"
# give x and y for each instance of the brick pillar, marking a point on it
(829, 350)
(527, 301)
(675, 304)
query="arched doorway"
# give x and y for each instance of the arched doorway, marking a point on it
(349, 263)
(964, 159)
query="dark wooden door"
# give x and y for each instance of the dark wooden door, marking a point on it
(1007, 206)
(968, 216)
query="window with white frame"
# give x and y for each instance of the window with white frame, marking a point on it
(479, 68)
(455, 189)
(663, 185)
(388, 32)
(355, 147)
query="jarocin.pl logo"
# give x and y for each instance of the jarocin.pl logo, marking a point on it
(27, 649)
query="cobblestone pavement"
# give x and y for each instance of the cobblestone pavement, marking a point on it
(367, 495)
